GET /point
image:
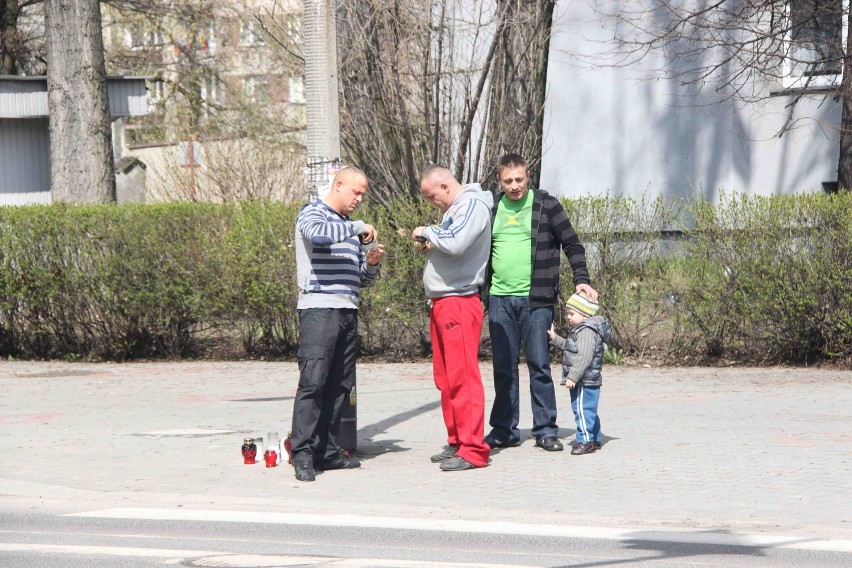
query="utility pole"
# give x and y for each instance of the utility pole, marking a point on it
(321, 101)
(321, 93)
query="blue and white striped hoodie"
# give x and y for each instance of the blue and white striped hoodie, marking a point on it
(331, 268)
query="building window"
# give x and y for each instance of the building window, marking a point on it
(251, 34)
(136, 36)
(255, 89)
(156, 91)
(297, 90)
(816, 37)
(207, 39)
(211, 91)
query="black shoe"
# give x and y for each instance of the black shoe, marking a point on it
(304, 469)
(339, 463)
(457, 463)
(496, 442)
(583, 448)
(549, 443)
(447, 453)
(598, 445)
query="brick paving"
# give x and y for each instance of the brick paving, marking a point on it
(751, 450)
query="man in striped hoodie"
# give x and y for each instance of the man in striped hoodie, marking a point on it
(331, 268)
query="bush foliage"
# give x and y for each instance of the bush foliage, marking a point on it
(752, 279)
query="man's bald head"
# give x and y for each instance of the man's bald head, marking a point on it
(347, 174)
(439, 186)
(347, 190)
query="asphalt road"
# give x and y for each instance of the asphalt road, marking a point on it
(34, 537)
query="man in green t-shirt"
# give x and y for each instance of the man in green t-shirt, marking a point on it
(529, 231)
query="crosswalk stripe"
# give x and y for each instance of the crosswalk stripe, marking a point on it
(103, 550)
(486, 527)
(206, 558)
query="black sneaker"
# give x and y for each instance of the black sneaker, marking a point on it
(496, 442)
(457, 463)
(339, 463)
(598, 445)
(304, 469)
(447, 453)
(549, 443)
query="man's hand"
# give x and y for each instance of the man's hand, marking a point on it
(551, 333)
(588, 290)
(417, 235)
(569, 384)
(374, 256)
(369, 234)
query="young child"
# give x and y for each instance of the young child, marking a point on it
(582, 361)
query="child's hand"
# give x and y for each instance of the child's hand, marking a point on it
(551, 333)
(569, 384)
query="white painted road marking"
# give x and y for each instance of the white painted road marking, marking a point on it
(104, 550)
(202, 558)
(487, 527)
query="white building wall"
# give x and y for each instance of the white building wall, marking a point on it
(622, 131)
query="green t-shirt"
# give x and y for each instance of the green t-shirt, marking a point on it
(511, 237)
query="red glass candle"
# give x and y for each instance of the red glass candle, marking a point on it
(271, 458)
(288, 447)
(249, 451)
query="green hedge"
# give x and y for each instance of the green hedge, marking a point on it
(751, 280)
(771, 278)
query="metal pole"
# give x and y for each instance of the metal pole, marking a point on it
(321, 92)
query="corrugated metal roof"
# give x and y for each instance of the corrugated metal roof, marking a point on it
(22, 99)
(26, 97)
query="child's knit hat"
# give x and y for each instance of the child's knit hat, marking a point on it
(582, 304)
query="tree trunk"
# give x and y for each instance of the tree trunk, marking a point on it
(844, 165)
(8, 32)
(81, 162)
(518, 86)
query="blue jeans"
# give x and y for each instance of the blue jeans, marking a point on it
(511, 322)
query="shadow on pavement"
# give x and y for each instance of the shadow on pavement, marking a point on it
(369, 447)
(665, 550)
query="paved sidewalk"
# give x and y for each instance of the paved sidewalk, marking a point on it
(764, 451)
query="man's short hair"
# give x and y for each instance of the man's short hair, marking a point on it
(511, 161)
(433, 169)
(346, 171)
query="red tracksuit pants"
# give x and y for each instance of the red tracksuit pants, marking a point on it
(455, 324)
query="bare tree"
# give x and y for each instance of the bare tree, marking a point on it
(441, 81)
(427, 81)
(81, 164)
(517, 86)
(21, 41)
(171, 41)
(748, 50)
(225, 86)
(9, 11)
